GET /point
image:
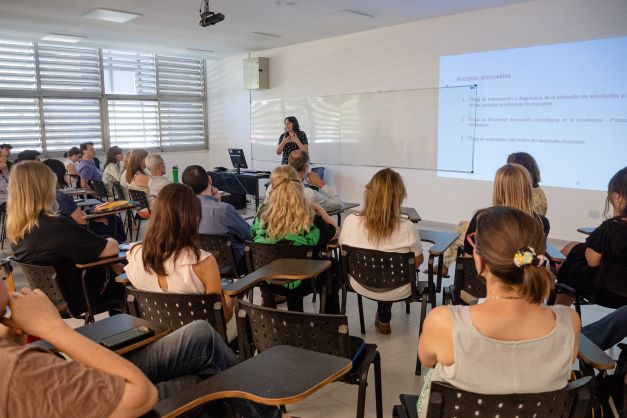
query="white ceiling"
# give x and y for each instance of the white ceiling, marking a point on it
(172, 25)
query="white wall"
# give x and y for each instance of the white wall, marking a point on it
(407, 56)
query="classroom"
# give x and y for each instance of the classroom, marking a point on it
(218, 210)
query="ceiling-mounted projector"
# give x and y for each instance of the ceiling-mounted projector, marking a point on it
(207, 17)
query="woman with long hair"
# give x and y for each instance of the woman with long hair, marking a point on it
(4, 178)
(472, 347)
(526, 160)
(168, 259)
(512, 187)
(292, 139)
(39, 236)
(136, 177)
(287, 218)
(381, 226)
(607, 246)
(112, 171)
(72, 157)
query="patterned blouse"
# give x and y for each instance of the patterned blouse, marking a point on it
(112, 173)
(539, 201)
(291, 146)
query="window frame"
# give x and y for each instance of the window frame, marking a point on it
(104, 98)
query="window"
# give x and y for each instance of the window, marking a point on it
(53, 97)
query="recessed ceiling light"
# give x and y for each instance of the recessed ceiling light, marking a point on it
(57, 37)
(346, 15)
(269, 35)
(108, 15)
(207, 51)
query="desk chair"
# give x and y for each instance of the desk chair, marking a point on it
(99, 189)
(260, 329)
(174, 310)
(141, 199)
(46, 279)
(221, 248)
(118, 191)
(446, 401)
(3, 224)
(466, 282)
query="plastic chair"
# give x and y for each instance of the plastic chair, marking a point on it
(141, 199)
(100, 189)
(220, 246)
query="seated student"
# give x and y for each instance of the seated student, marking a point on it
(27, 155)
(287, 218)
(381, 226)
(526, 160)
(4, 178)
(5, 150)
(218, 218)
(135, 176)
(168, 259)
(39, 236)
(325, 196)
(107, 226)
(512, 187)
(72, 157)
(98, 382)
(112, 171)
(87, 169)
(512, 342)
(607, 245)
(158, 180)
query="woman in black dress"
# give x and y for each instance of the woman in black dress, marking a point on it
(292, 139)
(605, 252)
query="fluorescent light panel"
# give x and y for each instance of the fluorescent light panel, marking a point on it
(108, 15)
(208, 51)
(269, 35)
(58, 37)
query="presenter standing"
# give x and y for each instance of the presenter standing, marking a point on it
(292, 139)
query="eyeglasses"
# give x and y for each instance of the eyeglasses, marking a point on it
(471, 240)
(7, 310)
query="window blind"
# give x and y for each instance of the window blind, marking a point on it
(182, 124)
(19, 123)
(134, 123)
(17, 66)
(181, 76)
(70, 122)
(129, 72)
(69, 68)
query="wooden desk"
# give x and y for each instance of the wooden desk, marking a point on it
(586, 230)
(77, 192)
(338, 212)
(441, 240)
(593, 356)
(411, 212)
(84, 203)
(129, 216)
(97, 331)
(280, 375)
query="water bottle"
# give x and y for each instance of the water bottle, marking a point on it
(175, 174)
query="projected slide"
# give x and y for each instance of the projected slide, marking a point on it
(565, 104)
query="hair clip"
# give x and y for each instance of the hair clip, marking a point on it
(524, 257)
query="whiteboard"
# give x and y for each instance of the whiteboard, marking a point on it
(386, 129)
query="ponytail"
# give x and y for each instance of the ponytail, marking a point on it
(537, 284)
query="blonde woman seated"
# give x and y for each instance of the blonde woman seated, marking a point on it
(168, 259)
(381, 226)
(287, 218)
(473, 347)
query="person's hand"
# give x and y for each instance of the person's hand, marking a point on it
(215, 192)
(33, 313)
(315, 180)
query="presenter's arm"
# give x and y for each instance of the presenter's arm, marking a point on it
(283, 141)
(301, 141)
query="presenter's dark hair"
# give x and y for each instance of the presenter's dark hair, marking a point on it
(618, 185)
(527, 161)
(294, 122)
(195, 177)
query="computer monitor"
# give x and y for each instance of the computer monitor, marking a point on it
(237, 158)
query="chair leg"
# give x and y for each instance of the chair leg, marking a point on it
(423, 313)
(313, 299)
(283, 409)
(344, 297)
(361, 313)
(407, 308)
(378, 389)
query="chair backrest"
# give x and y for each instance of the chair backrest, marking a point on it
(100, 189)
(221, 248)
(610, 286)
(571, 402)
(319, 171)
(258, 254)
(45, 279)
(118, 191)
(467, 279)
(263, 328)
(138, 196)
(378, 269)
(175, 310)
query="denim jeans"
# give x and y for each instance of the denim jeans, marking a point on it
(384, 311)
(608, 331)
(187, 356)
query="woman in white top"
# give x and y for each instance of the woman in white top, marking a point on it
(168, 259)
(472, 347)
(72, 157)
(381, 226)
